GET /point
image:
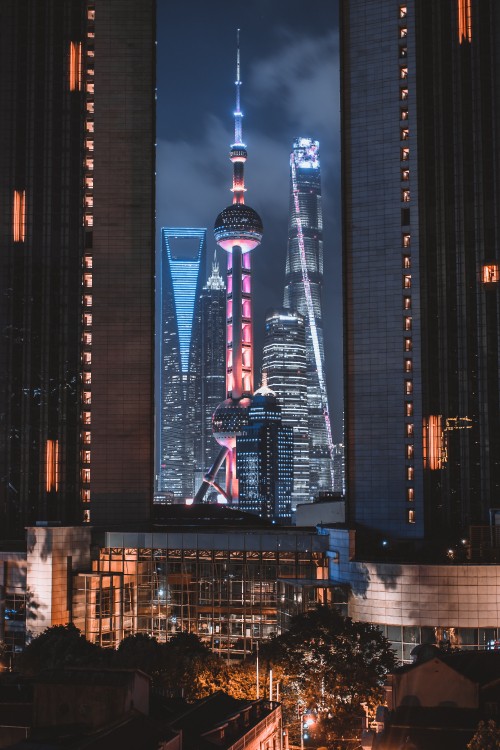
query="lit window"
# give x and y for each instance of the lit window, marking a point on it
(89, 125)
(89, 201)
(405, 196)
(408, 387)
(407, 281)
(408, 409)
(89, 144)
(491, 274)
(87, 300)
(87, 320)
(90, 107)
(406, 240)
(403, 51)
(89, 163)
(408, 345)
(75, 66)
(410, 494)
(87, 261)
(87, 378)
(19, 216)
(408, 365)
(86, 476)
(90, 53)
(86, 496)
(405, 134)
(403, 94)
(407, 323)
(86, 438)
(405, 154)
(89, 220)
(87, 338)
(404, 114)
(52, 465)
(409, 451)
(87, 358)
(407, 303)
(405, 175)
(432, 444)
(89, 183)
(403, 11)
(409, 430)
(91, 15)
(410, 472)
(403, 32)
(87, 280)
(86, 457)
(86, 417)
(464, 21)
(90, 88)
(403, 72)
(411, 516)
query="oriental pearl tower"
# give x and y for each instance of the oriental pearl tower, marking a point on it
(238, 230)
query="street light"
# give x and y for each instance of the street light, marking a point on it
(305, 723)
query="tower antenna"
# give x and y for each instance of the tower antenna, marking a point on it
(237, 113)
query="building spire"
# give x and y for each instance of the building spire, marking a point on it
(238, 153)
(215, 280)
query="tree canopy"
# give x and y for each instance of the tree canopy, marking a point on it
(487, 737)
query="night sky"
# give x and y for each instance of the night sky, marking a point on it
(290, 88)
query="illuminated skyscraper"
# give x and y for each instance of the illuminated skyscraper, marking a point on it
(303, 282)
(284, 364)
(421, 264)
(238, 230)
(211, 383)
(264, 459)
(183, 258)
(76, 261)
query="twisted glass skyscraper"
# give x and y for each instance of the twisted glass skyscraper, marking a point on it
(304, 278)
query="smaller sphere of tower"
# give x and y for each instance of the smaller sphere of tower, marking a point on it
(229, 419)
(238, 224)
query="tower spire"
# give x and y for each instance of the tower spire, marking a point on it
(238, 153)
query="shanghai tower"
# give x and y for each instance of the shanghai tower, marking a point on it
(303, 282)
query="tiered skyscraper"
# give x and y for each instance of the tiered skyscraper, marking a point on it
(183, 258)
(238, 230)
(421, 263)
(285, 366)
(303, 282)
(211, 384)
(76, 261)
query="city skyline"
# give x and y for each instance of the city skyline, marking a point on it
(280, 105)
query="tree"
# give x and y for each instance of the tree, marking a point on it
(140, 651)
(487, 737)
(57, 647)
(330, 666)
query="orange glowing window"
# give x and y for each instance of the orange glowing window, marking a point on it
(408, 387)
(87, 319)
(75, 66)
(410, 473)
(87, 300)
(408, 409)
(409, 451)
(85, 496)
(405, 154)
(405, 175)
(89, 144)
(87, 280)
(409, 430)
(89, 220)
(491, 274)
(89, 183)
(87, 261)
(86, 417)
(403, 32)
(86, 457)
(403, 72)
(408, 345)
(407, 303)
(407, 281)
(87, 338)
(404, 114)
(86, 438)
(91, 14)
(90, 107)
(410, 494)
(90, 88)
(406, 240)
(411, 516)
(87, 358)
(405, 134)
(89, 201)
(408, 365)
(464, 21)
(433, 442)
(19, 216)
(403, 11)
(405, 196)
(87, 378)
(403, 94)
(406, 260)
(407, 323)
(85, 476)
(89, 163)
(52, 466)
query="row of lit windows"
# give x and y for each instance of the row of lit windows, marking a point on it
(406, 264)
(87, 278)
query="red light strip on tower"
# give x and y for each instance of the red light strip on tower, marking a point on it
(310, 312)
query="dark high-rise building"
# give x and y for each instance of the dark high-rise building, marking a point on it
(285, 366)
(76, 261)
(422, 270)
(303, 283)
(264, 459)
(182, 260)
(211, 384)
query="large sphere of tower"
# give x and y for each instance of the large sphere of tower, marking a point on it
(238, 224)
(229, 419)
